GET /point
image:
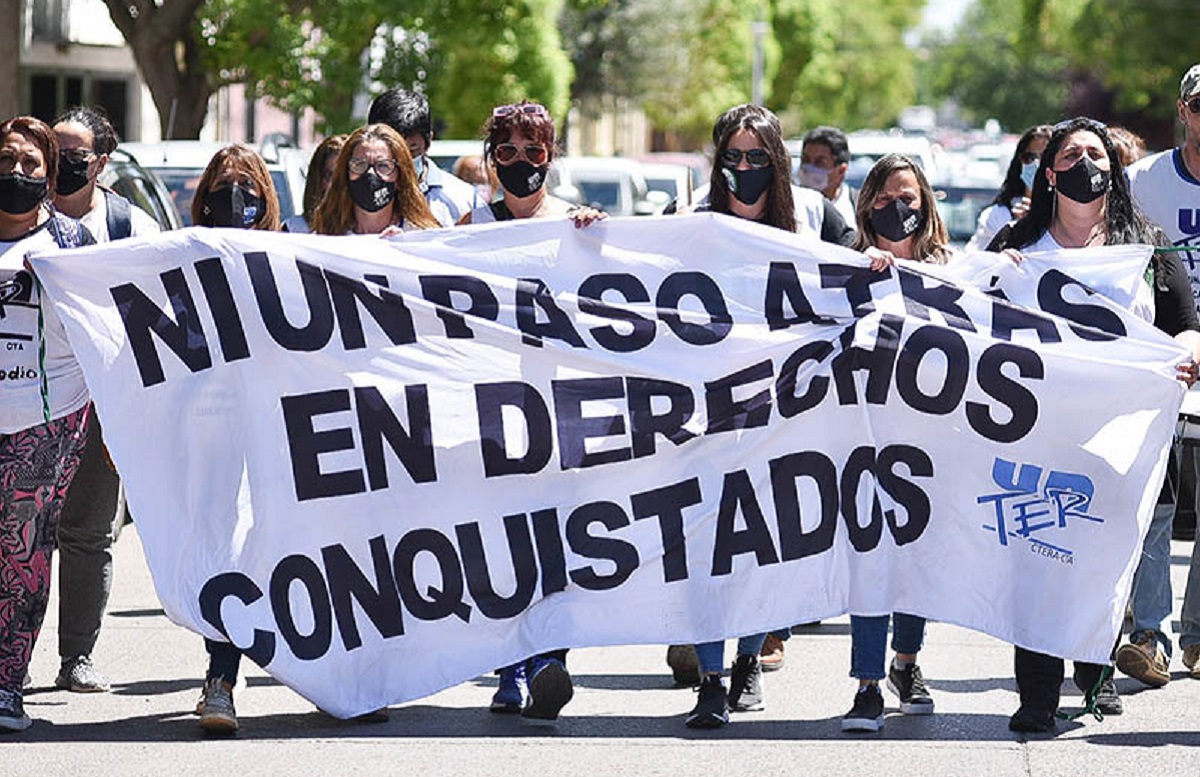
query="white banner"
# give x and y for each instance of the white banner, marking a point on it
(347, 453)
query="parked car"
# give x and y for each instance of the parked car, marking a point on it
(674, 179)
(868, 146)
(180, 163)
(614, 185)
(960, 207)
(142, 187)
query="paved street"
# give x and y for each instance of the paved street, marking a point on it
(626, 717)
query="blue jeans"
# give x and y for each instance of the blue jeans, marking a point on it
(868, 641)
(1151, 595)
(712, 654)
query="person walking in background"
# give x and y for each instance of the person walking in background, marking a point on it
(1012, 201)
(897, 218)
(824, 159)
(316, 182)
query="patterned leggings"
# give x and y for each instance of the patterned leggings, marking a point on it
(36, 466)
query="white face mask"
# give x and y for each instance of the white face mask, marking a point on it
(814, 177)
(1028, 172)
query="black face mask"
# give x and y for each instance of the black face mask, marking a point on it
(372, 193)
(748, 185)
(521, 179)
(72, 175)
(233, 206)
(1084, 181)
(896, 220)
(21, 193)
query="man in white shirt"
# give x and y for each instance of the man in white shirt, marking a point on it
(1166, 186)
(408, 113)
(824, 159)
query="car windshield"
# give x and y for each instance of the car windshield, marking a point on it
(663, 185)
(605, 195)
(182, 182)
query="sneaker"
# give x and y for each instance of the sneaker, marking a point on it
(867, 712)
(510, 695)
(909, 685)
(1099, 689)
(745, 684)
(550, 689)
(217, 715)
(712, 705)
(1191, 659)
(771, 655)
(80, 675)
(12, 712)
(1032, 720)
(1143, 660)
(685, 665)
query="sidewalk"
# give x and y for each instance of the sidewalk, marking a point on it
(626, 717)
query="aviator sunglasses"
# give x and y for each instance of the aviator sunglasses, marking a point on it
(755, 157)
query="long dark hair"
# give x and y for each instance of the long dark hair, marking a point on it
(931, 241)
(246, 161)
(780, 211)
(1124, 221)
(1013, 187)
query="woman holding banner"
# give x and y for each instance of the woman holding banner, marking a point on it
(235, 191)
(374, 190)
(897, 219)
(43, 405)
(519, 145)
(1081, 198)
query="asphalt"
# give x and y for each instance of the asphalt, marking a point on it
(626, 717)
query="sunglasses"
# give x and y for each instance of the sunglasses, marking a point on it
(1084, 122)
(1193, 104)
(507, 153)
(755, 157)
(77, 155)
(383, 167)
(529, 109)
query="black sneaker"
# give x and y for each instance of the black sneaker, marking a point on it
(712, 708)
(745, 684)
(909, 685)
(867, 712)
(550, 688)
(1032, 720)
(1098, 688)
(12, 711)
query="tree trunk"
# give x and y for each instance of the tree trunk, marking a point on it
(10, 58)
(162, 39)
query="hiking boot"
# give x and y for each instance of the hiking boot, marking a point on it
(550, 688)
(770, 657)
(80, 675)
(745, 685)
(1191, 659)
(217, 715)
(1099, 689)
(867, 712)
(1143, 660)
(12, 711)
(685, 665)
(510, 692)
(1032, 720)
(712, 706)
(909, 685)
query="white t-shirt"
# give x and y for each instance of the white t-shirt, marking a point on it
(845, 205)
(1169, 195)
(1143, 303)
(991, 219)
(140, 222)
(20, 371)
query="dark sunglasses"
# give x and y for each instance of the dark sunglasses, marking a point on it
(507, 153)
(532, 109)
(1086, 123)
(77, 155)
(1193, 104)
(755, 157)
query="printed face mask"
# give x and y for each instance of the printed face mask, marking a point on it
(749, 185)
(21, 193)
(521, 179)
(1028, 172)
(372, 193)
(814, 177)
(72, 175)
(896, 220)
(1084, 181)
(233, 206)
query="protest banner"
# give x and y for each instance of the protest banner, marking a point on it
(345, 453)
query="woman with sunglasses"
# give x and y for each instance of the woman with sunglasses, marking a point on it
(897, 219)
(1012, 202)
(1081, 198)
(519, 147)
(519, 144)
(374, 190)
